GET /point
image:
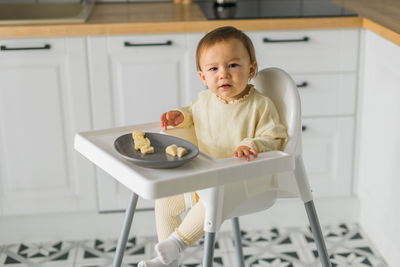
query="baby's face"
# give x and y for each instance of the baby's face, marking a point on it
(226, 68)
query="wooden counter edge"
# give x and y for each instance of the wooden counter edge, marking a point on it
(31, 31)
(382, 31)
(175, 27)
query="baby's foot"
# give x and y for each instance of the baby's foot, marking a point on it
(156, 262)
(169, 250)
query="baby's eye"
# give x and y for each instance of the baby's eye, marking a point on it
(233, 65)
(212, 69)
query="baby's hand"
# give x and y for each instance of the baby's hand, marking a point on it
(246, 152)
(171, 118)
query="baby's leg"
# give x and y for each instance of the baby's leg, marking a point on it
(167, 212)
(167, 215)
(190, 230)
(192, 227)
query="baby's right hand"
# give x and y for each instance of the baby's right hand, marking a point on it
(171, 118)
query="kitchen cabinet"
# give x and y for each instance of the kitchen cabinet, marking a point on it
(324, 67)
(377, 170)
(44, 101)
(134, 80)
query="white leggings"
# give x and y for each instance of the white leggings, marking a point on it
(168, 211)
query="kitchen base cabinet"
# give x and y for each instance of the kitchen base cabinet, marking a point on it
(44, 101)
(325, 70)
(328, 155)
(134, 78)
(377, 171)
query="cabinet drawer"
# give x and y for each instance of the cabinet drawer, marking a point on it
(31, 47)
(307, 51)
(327, 94)
(328, 154)
(146, 43)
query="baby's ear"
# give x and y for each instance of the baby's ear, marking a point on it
(202, 76)
(253, 69)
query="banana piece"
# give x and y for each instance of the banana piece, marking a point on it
(181, 151)
(147, 149)
(142, 143)
(172, 150)
(137, 134)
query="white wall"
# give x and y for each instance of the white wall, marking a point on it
(379, 154)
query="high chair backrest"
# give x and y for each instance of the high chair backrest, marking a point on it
(259, 191)
(282, 90)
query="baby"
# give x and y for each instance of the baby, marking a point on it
(230, 119)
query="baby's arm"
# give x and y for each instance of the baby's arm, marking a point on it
(171, 118)
(270, 135)
(181, 118)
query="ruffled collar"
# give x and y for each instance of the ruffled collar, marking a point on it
(236, 101)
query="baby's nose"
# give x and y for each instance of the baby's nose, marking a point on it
(224, 72)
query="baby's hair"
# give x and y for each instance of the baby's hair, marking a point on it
(223, 34)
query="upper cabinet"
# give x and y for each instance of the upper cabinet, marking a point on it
(44, 101)
(134, 80)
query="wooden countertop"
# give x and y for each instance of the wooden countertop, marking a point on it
(140, 18)
(379, 16)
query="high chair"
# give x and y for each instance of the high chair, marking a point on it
(256, 194)
(228, 187)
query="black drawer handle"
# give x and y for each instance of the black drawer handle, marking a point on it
(304, 39)
(129, 44)
(303, 128)
(5, 48)
(302, 85)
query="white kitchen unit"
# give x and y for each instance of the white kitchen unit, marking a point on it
(378, 173)
(44, 101)
(324, 66)
(134, 79)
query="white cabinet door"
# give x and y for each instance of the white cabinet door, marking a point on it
(328, 155)
(327, 94)
(305, 51)
(44, 101)
(135, 79)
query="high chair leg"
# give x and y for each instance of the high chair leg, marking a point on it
(123, 238)
(316, 231)
(238, 241)
(209, 241)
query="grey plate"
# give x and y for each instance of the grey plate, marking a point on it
(159, 159)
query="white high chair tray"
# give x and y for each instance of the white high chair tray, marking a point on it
(202, 172)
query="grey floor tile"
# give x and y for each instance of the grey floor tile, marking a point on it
(279, 247)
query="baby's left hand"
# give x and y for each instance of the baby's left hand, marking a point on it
(245, 151)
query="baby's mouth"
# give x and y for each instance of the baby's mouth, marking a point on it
(225, 86)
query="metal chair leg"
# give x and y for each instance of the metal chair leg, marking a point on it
(209, 241)
(238, 241)
(123, 238)
(318, 237)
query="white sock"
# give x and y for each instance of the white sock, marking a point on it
(169, 250)
(156, 262)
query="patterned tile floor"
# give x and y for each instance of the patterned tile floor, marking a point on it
(283, 247)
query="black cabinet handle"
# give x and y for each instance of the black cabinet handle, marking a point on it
(129, 44)
(5, 48)
(302, 85)
(267, 40)
(303, 128)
